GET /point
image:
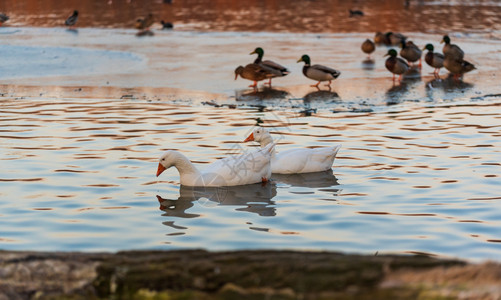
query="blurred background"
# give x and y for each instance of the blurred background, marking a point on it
(432, 16)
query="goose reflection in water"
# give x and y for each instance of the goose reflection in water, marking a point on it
(264, 94)
(255, 198)
(308, 180)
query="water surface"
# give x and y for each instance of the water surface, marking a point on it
(80, 175)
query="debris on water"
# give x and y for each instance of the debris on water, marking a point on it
(127, 97)
(211, 103)
(308, 112)
(259, 107)
(259, 121)
(353, 110)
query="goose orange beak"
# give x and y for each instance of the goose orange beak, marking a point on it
(249, 138)
(160, 169)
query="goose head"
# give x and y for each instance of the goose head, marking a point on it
(260, 135)
(168, 159)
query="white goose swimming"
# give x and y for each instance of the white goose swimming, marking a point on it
(248, 168)
(294, 161)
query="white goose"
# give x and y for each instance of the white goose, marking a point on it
(248, 168)
(294, 161)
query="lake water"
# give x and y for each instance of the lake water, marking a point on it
(85, 115)
(80, 175)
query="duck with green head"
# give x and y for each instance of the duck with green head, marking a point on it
(395, 64)
(452, 50)
(434, 59)
(275, 70)
(318, 72)
(410, 52)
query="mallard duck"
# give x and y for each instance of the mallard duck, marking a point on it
(395, 64)
(253, 72)
(72, 20)
(318, 72)
(275, 70)
(457, 67)
(410, 52)
(145, 23)
(380, 38)
(433, 59)
(166, 25)
(451, 49)
(368, 47)
(3, 18)
(389, 38)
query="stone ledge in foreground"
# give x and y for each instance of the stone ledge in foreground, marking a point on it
(259, 274)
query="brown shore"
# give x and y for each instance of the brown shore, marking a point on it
(259, 274)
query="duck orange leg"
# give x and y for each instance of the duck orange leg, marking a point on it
(253, 85)
(315, 85)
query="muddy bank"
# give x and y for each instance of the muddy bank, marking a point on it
(198, 274)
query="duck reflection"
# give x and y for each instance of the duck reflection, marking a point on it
(436, 87)
(396, 93)
(265, 94)
(448, 84)
(368, 64)
(72, 30)
(309, 180)
(318, 96)
(255, 198)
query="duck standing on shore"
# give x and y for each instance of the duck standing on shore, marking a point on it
(318, 72)
(3, 18)
(434, 59)
(410, 52)
(368, 47)
(72, 20)
(252, 72)
(274, 69)
(395, 64)
(454, 59)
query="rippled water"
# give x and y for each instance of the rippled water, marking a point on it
(79, 174)
(85, 114)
